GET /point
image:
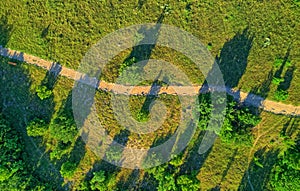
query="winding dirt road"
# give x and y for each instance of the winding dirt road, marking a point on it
(247, 98)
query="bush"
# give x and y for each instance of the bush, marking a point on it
(277, 81)
(237, 124)
(286, 172)
(67, 170)
(63, 128)
(277, 62)
(281, 95)
(185, 183)
(103, 183)
(98, 181)
(177, 161)
(126, 63)
(43, 92)
(37, 127)
(142, 116)
(209, 46)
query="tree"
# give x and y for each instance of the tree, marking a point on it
(63, 128)
(237, 124)
(98, 181)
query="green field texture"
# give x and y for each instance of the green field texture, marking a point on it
(248, 38)
(225, 166)
(257, 46)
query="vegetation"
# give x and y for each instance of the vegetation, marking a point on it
(286, 172)
(67, 169)
(281, 95)
(37, 127)
(43, 92)
(64, 31)
(255, 44)
(237, 124)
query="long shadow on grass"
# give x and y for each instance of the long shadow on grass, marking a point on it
(287, 79)
(21, 105)
(112, 153)
(194, 161)
(143, 51)
(291, 126)
(63, 129)
(273, 76)
(229, 164)
(5, 31)
(150, 98)
(52, 75)
(233, 62)
(234, 58)
(258, 173)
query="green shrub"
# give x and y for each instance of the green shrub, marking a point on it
(237, 124)
(98, 181)
(127, 63)
(43, 92)
(102, 182)
(185, 183)
(281, 95)
(286, 172)
(177, 161)
(142, 116)
(209, 46)
(277, 62)
(288, 63)
(63, 128)
(67, 169)
(37, 127)
(277, 81)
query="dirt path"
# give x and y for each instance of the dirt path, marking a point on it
(249, 99)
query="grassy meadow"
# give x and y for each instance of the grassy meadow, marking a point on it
(256, 44)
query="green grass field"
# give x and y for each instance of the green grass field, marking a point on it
(256, 44)
(225, 166)
(246, 36)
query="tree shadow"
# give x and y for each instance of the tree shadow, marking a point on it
(45, 31)
(151, 96)
(15, 57)
(263, 89)
(279, 72)
(259, 93)
(229, 164)
(141, 3)
(63, 127)
(51, 76)
(234, 57)
(287, 79)
(5, 31)
(21, 105)
(194, 161)
(143, 50)
(257, 175)
(132, 182)
(291, 126)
